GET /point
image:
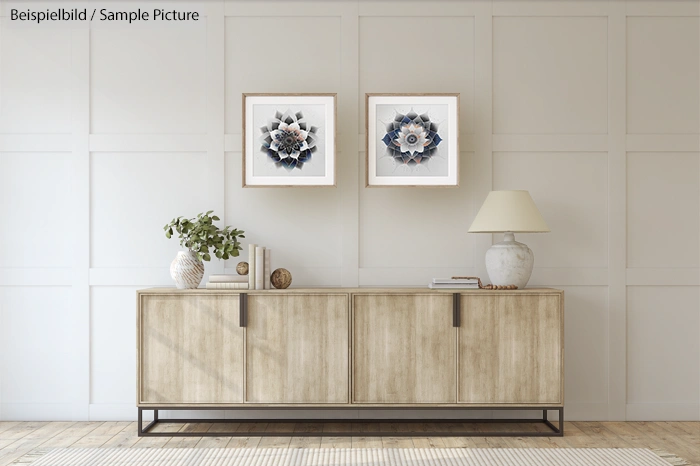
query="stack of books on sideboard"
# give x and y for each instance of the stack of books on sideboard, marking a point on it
(228, 282)
(454, 283)
(258, 277)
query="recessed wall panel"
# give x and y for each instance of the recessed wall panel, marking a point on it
(35, 80)
(427, 54)
(663, 349)
(418, 227)
(663, 201)
(148, 80)
(586, 336)
(133, 195)
(550, 75)
(301, 225)
(36, 204)
(280, 55)
(37, 335)
(571, 192)
(112, 344)
(663, 72)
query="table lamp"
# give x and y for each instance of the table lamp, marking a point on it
(509, 212)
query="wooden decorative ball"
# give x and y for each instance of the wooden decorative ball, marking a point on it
(281, 279)
(242, 268)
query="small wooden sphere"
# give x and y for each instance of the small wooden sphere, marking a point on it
(242, 268)
(281, 279)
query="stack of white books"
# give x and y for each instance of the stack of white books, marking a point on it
(228, 282)
(259, 267)
(454, 283)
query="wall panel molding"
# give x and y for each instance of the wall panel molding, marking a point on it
(348, 171)
(212, 153)
(617, 202)
(80, 338)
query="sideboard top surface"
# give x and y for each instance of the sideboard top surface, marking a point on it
(365, 290)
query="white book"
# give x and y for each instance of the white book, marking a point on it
(228, 278)
(227, 286)
(251, 266)
(455, 280)
(268, 271)
(260, 268)
(455, 286)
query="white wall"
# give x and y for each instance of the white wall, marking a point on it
(593, 106)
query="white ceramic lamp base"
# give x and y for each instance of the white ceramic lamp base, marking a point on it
(509, 262)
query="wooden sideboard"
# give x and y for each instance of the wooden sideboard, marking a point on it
(350, 348)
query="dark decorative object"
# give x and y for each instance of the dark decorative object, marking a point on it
(281, 279)
(242, 268)
(289, 140)
(411, 138)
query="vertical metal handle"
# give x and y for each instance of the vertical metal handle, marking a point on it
(456, 314)
(243, 309)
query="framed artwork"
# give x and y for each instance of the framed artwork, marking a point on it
(412, 140)
(289, 140)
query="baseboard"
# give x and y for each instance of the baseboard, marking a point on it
(663, 411)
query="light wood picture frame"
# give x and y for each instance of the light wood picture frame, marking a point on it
(289, 140)
(412, 140)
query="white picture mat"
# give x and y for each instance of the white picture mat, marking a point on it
(251, 140)
(453, 150)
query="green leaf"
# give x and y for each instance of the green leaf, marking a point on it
(206, 257)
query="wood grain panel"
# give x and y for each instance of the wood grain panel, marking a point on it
(297, 348)
(511, 349)
(191, 349)
(403, 349)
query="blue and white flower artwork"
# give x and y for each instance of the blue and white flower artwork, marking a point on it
(412, 140)
(289, 140)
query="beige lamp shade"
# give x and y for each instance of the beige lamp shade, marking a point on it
(513, 211)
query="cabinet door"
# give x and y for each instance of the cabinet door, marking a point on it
(403, 349)
(190, 349)
(297, 348)
(510, 349)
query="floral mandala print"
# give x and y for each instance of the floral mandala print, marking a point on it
(288, 140)
(411, 138)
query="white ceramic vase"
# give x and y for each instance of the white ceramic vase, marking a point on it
(509, 262)
(187, 270)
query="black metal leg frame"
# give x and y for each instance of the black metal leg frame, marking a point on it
(555, 431)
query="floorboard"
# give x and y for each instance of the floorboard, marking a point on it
(19, 438)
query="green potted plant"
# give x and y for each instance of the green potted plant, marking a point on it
(200, 238)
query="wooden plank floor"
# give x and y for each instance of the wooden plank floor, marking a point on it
(20, 438)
